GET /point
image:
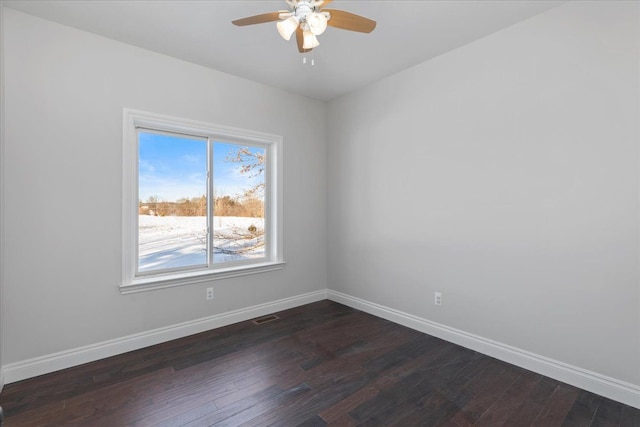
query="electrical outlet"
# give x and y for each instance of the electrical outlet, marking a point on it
(209, 293)
(437, 298)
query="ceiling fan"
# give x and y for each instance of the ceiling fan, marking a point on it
(308, 19)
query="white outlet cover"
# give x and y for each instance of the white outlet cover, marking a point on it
(437, 298)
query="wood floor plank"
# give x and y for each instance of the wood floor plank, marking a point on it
(241, 393)
(314, 421)
(509, 403)
(525, 414)
(316, 365)
(345, 421)
(583, 410)
(210, 415)
(557, 407)
(322, 396)
(338, 410)
(609, 414)
(630, 417)
(401, 411)
(253, 410)
(483, 400)
(372, 407)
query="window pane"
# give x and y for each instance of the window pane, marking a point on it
(172, 203)
(239, 189)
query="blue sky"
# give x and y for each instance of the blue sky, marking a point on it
(173, 167)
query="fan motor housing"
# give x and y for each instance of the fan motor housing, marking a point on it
(302, 9)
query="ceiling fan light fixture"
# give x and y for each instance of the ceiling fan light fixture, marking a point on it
(309, 40)
(317, 23)
(287, 27)
(307, 19)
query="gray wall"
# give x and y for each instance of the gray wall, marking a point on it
(1, 183)
(505, 175)
(64, 98)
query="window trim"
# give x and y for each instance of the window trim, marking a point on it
(134, 119)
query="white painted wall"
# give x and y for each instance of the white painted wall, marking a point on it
(503, 174)
(1, 188)
(65, 93)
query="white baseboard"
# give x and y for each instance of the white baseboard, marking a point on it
(65, 359)
(621, 391)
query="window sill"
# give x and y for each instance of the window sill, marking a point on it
(143, 284)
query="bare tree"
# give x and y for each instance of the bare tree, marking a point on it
(251, 165)
(249, 204)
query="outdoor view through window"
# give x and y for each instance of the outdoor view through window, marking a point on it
(179, 201)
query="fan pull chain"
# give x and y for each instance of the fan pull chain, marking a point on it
(313, 59)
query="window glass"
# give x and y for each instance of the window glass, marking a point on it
(172, 201)
(239, 207)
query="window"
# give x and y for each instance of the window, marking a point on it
(201, 201)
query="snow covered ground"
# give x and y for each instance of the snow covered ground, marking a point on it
(178, 241)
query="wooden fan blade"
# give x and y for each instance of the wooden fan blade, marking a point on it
(350, 21)
(300, 41)
(258, 19)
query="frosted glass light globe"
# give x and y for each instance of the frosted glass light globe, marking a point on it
(317, 23)
(287, 27)
(309, 40)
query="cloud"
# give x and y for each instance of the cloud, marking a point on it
(146, 167)
(191, 158)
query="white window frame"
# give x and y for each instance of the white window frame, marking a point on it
(274, 260)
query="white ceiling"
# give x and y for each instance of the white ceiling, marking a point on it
(408, 32)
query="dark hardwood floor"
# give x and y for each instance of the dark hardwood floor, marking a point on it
(320, 364)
